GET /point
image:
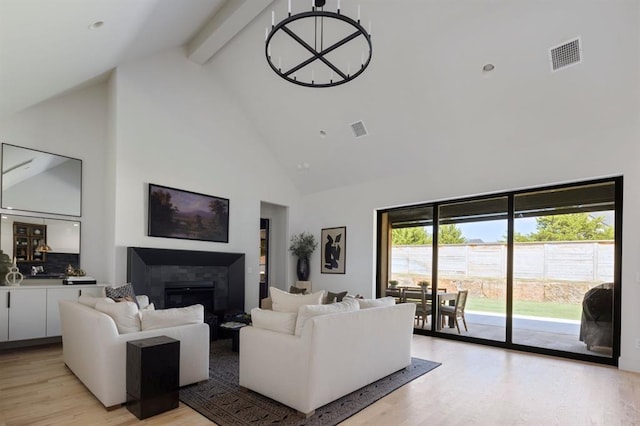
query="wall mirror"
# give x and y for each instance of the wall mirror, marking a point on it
(40, 182)
(22, 237)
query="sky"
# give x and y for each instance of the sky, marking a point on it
(496, 230)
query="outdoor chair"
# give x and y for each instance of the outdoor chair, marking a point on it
(423, 306)
(397, 293)
(455, 311)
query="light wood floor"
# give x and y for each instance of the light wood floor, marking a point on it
(476, 385)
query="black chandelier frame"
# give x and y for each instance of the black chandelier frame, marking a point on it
(290, 74)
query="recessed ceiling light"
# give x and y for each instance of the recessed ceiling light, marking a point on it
(96, 25)
(488, 68)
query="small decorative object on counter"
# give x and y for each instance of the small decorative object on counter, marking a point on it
(5, 264)
(73, 272)
(14, 277)
(393, 283)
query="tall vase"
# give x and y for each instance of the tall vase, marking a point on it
(302, 269)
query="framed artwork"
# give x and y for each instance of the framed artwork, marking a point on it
(333, 246)
(175, 213)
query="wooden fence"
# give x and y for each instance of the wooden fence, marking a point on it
(582, 261)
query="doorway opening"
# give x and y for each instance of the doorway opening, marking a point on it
(264, 258)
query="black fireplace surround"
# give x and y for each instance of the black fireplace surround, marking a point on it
(175, 278)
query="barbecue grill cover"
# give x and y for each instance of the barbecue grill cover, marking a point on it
(596, 328)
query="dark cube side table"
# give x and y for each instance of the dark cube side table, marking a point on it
(153, 375)
(232, 328)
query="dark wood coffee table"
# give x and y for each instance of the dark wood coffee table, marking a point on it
(233, 328)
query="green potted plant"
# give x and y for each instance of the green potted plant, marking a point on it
(423, 283)
(393, 283)
(303, 245)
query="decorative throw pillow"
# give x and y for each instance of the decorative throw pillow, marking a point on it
(307, 312)
(163, 318)
(91, 301)
(281, 322)
(142, 300)
(124, 314)
(149, 307)
(335, 297)
(287, 302)
(374, 303)
(296, 290)
(351, 296)
(121, 292)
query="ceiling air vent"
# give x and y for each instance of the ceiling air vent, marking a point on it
(358, 129)
(566, 54)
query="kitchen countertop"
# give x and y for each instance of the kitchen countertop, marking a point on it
(48, 283)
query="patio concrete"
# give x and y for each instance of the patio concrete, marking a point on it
(549, 333)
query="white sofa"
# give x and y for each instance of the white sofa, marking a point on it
(96, 353)
(335, 354)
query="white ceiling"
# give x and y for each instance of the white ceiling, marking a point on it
(424, 98)
(46, 46)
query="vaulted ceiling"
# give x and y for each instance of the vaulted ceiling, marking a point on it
(424, 98)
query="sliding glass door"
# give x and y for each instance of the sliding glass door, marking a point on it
(538, 269)
(411, 260)
(472, 257)
(564, 255)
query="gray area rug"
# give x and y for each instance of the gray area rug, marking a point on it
(221, 400)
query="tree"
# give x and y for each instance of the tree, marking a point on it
(519, 238)
(410, 236)
(163, 212)
(450, 234)
(219, 218)
(569, 227)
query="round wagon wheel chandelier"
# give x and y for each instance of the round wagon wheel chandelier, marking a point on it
(318, 48)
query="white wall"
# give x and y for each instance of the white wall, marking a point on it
(109, 183)
(73, 125)
(177, 126)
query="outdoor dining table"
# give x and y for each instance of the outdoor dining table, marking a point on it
(415, 294)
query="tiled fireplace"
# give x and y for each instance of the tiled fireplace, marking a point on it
(173, 278)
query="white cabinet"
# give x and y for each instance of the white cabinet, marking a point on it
(53, 313)
(27, 313)
(4, 315)
(66, 293)
(92, 290)
(32, 313)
